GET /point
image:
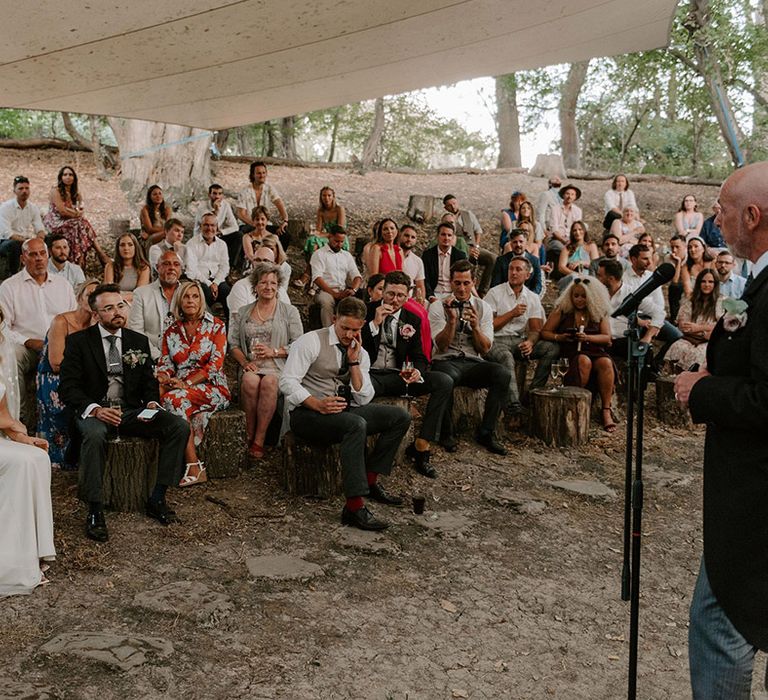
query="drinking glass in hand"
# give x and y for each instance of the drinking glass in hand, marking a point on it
(554, 371)
(115, 405)
(405, 372)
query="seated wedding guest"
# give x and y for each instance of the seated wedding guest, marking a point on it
(527, 215)
(731, 284)
(130, 268)
(698, 259)
(19, 220)
(386, 255)
(261, 194)
(190, 371)
(548, 200)
(576, 255)
(272, 242)
(517, 320)
(462, 330)
(391, 336)
(254, 238)
(580, 324)
(647, 240)
(258, 341)
(336, 274)
(242, 291)
(107, 365)
(611, 250)
(461, 242)
(151, 310)
(208, 262)
(374, 288)
(509, 219)
(696, 319)
(628, 229)
(467, 226)
(52, 419)
(153, 216)
(413, 266)
(688, 219)
(560, 221)
(617, 199)
(58, 260)
(438, 261)
(678, 254)
(711, 234)
(65, 215)
(516, 244)
(225, 218)
(30, 299)
(650, 318)
(26, 535)
(174, 233)
(327, 387)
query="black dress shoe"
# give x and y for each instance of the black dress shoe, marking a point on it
(378, 493)
(489, 441)
(421, 461)
(450, 444)
(160, 512)
(363, 519)
(96, 527)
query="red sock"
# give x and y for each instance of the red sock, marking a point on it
(372, 478)
(355, 503)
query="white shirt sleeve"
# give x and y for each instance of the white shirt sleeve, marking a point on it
(437, 318)
(6, 213)
(302, 353)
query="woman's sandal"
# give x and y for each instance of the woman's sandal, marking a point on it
(611, 425)
(301, 282)
(256, 451)
(199, 478)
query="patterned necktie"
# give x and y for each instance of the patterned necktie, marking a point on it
(114, 361)
(389, 331)
(344, 366)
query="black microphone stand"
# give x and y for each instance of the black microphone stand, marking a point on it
(633, 490)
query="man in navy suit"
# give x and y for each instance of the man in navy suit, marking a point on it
(105, 366)
(438, 260)
(391, 335)
(729, 608)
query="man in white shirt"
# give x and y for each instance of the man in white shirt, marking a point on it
(467, 225)
(335, 274)
(731, 284)
(328, 391)
(228, 227)
(208, 261)
(517, 320)
(58, 260)
(30, 299)
(174, 233)
(560, 220)
(413, 266)
(462, 331)
(19, 220)
(261, 194)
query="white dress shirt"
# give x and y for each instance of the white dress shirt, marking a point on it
(443, 285)
(25, 222)
(336, 269)
(70, 272)
(247, 198)
(614, 199)
(302, 353)
(413, 266)
(462, 345)
(560, 221)
(647, 308)
(29, 307)
(207, 262)
(655, 306)
(502, 299)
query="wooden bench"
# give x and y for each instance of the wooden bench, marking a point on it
(561, 417)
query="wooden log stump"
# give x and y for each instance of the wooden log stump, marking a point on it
(130, 473)
(223, 448)
(561, 417)
(422, 207)
(309, 469)
(668, 410)
(467, 413)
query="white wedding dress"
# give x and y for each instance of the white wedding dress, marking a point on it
(26, 516)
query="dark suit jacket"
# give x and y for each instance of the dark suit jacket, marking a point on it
(84, 371)
(734, 404)
(501, 271)
(429, 258)
(405, 348)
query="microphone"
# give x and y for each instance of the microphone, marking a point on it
(661, 275)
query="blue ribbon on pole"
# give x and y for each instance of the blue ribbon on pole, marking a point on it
(161, 146)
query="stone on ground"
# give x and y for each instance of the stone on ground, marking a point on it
(282, 567)
(585, 488)
(188, 599)
(119, 650)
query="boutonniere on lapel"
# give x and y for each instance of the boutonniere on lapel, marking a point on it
(407, 331)
(735, 315)
(134, 358)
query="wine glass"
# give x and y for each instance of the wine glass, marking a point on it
(554, 371)
(405, 372)
(117, 406)
(564, 365)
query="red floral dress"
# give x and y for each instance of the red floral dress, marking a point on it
(182, 357)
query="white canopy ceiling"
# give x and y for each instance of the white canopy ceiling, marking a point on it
(217, 64)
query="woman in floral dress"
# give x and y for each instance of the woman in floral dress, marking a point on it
(190, 371)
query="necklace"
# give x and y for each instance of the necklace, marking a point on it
(269, 315)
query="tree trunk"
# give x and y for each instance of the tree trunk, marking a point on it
(672, 96)
(288, 137)
(334, 136)
(569, 98)
(507, 122)
(668, 408)
(561, 417)
(183, 170)
(269, 127)
(372, 143)
(221, 139)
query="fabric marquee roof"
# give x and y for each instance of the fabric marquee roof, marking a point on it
(218, 64)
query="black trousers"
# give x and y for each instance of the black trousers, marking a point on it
(224, 290)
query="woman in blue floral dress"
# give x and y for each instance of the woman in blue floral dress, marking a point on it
(52, 420)
(190, 371)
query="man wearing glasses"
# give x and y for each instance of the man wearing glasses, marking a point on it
(19, 221)
(392, 336)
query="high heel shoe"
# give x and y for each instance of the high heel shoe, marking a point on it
(610, 426)
(190, 480)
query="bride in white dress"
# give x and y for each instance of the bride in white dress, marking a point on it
(26, 516)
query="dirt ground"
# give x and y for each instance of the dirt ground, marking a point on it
(507, 587)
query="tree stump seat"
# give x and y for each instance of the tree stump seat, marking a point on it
(561, 417)
(224, 448)
(467, 414)
(422, 207)
(668, 409)
(314, 468)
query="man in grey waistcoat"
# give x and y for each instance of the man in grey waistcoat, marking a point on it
(328, 389)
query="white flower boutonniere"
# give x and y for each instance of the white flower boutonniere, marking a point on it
(407, 331)
(134, 358)
(735, 315)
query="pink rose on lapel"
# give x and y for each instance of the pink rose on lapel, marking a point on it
(735, 315)
(407, 331)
